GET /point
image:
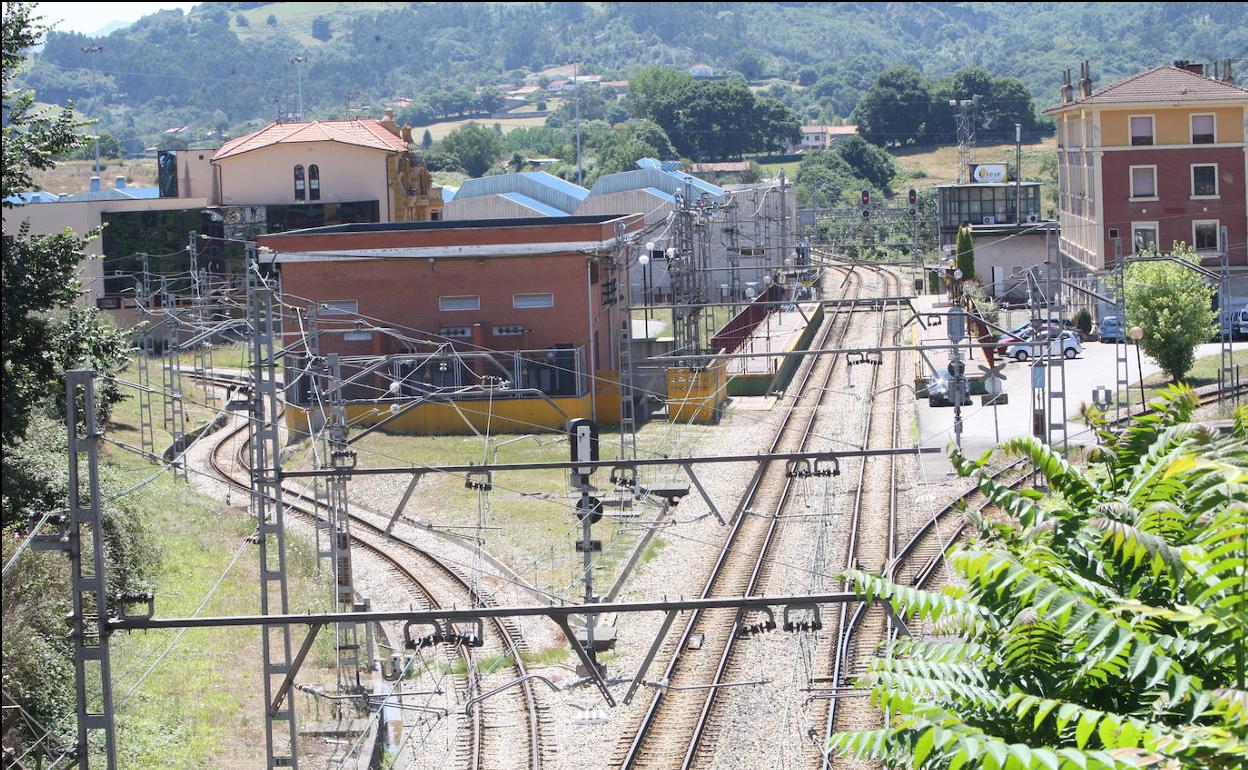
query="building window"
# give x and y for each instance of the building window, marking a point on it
(1143, 182)
(464, 302)
(527, 301)
(338, 307)
(1205, 234)
(1143, 236)
(1203, 129)
(314, 182)
(357, 337)
(1141, 129)
(299, 189)
(1205, 181)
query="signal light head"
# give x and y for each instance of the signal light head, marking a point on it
(913, 195)
(866, 197)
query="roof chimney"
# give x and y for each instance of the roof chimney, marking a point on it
(120, 182)
(1227, 77)
(407, 133)
(95, 184)
(1085, 80)
(388, 123)
(1068, 91)
(1195, 68)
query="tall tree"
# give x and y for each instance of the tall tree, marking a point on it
(868, 161)
(966, 253)
(477, 147)
(1172, 303)
(895, 108)
(39, 271)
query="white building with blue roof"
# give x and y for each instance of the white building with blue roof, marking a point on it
(505, 196)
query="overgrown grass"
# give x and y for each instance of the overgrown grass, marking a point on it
(201, 704)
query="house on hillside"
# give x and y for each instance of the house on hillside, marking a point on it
(702, 71)
(822, 137)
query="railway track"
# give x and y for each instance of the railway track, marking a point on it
(436, 585)
(676, 728)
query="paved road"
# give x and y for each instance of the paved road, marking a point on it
(1094, 367)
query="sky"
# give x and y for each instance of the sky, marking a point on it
(89, 17)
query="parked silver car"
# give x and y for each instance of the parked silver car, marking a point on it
(1064, 344)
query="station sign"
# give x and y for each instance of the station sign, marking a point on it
(988, 172)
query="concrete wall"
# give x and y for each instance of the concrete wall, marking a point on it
(266, 175)
(1008, 254)
(197, 177)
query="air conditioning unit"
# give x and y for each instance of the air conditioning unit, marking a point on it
(1033, 218)
(990, 220)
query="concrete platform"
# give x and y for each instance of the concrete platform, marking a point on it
(779, 331)
(984, 426)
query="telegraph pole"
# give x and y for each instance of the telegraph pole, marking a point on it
(95, 81)
(576, 86)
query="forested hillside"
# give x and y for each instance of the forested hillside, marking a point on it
(227, 63)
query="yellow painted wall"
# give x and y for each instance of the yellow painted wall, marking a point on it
(515, 415)
(509, 415)
(1171, 125)
(696, 396)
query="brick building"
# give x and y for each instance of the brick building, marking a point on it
(522, 300)
(1151, 160)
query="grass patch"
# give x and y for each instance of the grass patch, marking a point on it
(773, 169)
(1204, 372)
(200, 706)
(650, 551)
(548, 656)
(528, 518)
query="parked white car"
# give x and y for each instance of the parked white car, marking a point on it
(1065, 344)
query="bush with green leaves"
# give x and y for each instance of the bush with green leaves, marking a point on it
(1103, 627)
(1173, 304)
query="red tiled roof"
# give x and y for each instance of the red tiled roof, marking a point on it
(359, 133)
(1166, 83)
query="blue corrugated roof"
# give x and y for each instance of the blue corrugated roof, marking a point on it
(536, 205)
(448, 193)
(659, 193)
(562, 185)
(654, 174)
(113, 194)
(538, 185)
(39, 196)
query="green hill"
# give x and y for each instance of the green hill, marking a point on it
(206, 69)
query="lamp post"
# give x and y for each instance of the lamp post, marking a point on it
(1136, 333)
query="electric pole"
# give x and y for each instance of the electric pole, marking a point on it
(95, 81)
(297, 61)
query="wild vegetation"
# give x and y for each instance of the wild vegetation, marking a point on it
(818, 59)
(1100, 627)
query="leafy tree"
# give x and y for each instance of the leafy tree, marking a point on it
(271, 20)
(895, 108)
(652, 92)
(1173, 305)
(807, 76)
(477, 148)
(966, 253)
(426, 140)
(823, 178)
(748, 63)
(321, 29)
(1101, 626)
(241, 20)
(624, 147)
(39, 270)
(868, 161)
